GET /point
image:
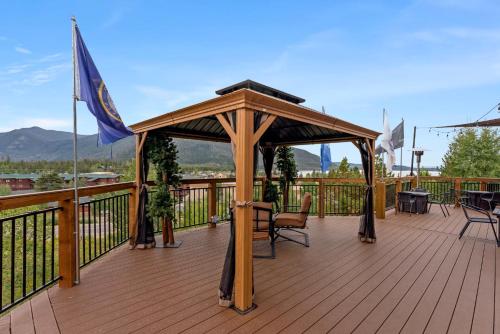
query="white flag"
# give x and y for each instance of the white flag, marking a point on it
(387, 144)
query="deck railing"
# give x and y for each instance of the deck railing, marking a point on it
(37, 245)
(103, 226)
(28, 258)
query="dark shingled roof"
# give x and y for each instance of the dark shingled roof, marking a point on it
(258, 87)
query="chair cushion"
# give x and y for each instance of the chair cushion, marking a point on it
(289, 219)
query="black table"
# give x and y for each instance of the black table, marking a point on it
(421, 201)
(474, 197)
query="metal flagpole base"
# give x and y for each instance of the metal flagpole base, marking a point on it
(175, 244)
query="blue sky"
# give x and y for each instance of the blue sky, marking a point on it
(431, 62)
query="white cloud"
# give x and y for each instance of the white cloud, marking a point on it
(41, 76)
(319, 40)
(175, 98)
(47, 123)
(449, 34)
(22, 50)
(15, 69)
(50, 58)
(26, 122)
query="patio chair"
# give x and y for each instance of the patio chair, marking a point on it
(455, 196)
(409, 199)
(263, 225)
(489, 199)
(485, 220)
(294, 221)
(439, 200)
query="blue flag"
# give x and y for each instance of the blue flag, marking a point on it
(91, 88)
(326, 158)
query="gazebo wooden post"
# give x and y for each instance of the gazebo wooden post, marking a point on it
(371, 144)
(140, 139)
(244, 194)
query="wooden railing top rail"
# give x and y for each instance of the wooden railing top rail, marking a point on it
(21, 200)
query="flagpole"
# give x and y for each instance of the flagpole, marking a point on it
(75, 159)
(401, 155)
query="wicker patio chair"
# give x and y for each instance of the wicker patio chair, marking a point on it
(294, 221)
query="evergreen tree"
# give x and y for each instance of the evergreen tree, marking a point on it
(473, 154)
(285, 163)
(162, 153)
(49, 181)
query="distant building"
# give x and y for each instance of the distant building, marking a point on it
(19, 182)
(92, 179)
(26, 182)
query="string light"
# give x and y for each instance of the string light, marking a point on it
(438, 131)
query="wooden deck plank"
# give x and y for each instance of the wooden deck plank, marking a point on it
(485, 303)
(315, 306)
(268, 268)
(435, 318)
(463, 314)
(421, 314)
(417, 277)
(43, 315)
(380, 283)
(289, 304)
(21, 320)
(284, 283)
(386, 303)
(398, 316)
(295, 279)
(291, 293)
(5, 324)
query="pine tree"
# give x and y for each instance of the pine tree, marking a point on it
(285, 163)
(473, 154)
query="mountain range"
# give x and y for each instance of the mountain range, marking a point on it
(35, 143)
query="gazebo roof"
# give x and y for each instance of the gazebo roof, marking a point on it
(295, 124)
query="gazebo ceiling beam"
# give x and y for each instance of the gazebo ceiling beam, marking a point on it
(325, 140)
(225, 124)
(183, 133)
(263, 128)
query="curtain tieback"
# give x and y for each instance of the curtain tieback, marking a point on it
(244, 204)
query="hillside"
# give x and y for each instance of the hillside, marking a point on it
(35, 143)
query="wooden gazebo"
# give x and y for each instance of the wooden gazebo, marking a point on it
(249, 115)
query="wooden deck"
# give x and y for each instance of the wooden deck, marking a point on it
(417, 278)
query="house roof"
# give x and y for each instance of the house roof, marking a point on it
(19, 176)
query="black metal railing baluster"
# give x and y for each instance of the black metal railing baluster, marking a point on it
(34, 250)
(44, 247)
(52, 250)
(25, 252)
(12, 260)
